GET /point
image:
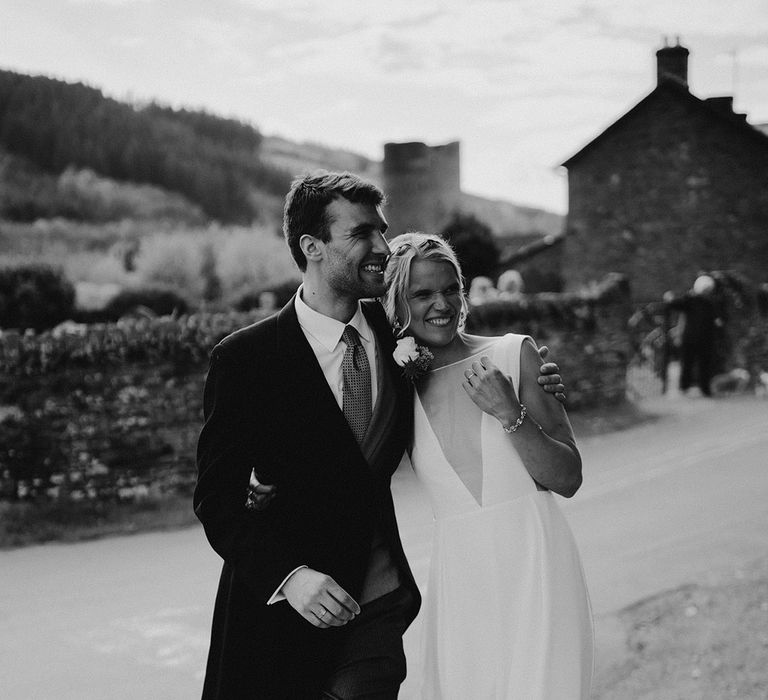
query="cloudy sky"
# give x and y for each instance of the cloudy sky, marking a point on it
(522, 84)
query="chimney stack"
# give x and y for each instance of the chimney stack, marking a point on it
(672, 64)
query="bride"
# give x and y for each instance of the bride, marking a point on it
(506, 611)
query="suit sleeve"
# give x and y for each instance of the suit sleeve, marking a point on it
(250, 541)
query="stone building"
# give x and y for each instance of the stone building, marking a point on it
(422, 185)
(676, 185)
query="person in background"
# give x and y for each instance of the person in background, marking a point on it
(510, 285)
(481, 289)
(698, 329)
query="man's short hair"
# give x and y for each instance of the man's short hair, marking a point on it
(306, 205)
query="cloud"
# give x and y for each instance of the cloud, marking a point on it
(754, 55)
(341, 15)
(114, 3)
(691, 16)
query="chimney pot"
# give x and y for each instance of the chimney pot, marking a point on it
(672, 64)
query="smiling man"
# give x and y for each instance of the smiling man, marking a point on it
(315, 591)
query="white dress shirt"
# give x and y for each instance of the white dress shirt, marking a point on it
(324, 336)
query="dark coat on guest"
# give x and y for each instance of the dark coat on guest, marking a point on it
(268, 407)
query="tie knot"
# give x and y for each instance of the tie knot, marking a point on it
(350, 336)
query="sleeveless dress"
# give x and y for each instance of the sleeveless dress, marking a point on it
(506, 611)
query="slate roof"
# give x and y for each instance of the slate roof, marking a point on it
(734, 120)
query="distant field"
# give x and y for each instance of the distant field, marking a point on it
(101, 258)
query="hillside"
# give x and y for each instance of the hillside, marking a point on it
(28, 193)
(68, 151)
(297, 158)
(507, 219)
(213, 162)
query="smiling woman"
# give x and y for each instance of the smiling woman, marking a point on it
(433, 304)
(507, 612)
(426, 290)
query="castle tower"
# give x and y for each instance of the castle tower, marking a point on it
(422, 184)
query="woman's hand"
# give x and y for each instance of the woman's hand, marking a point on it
(492, 391)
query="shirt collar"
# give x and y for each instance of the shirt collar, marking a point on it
(326, 330)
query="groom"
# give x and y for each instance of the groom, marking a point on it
(315, 591)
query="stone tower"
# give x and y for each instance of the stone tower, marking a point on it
(422, 184)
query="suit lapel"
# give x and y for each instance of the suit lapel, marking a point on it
(393, 396)
(312, 402)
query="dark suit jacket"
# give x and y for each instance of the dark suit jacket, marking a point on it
(268, 406)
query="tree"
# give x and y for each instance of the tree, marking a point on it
(474, 244)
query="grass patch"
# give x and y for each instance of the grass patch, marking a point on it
(24, 524)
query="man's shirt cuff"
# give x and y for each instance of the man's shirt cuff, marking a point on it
(278, 595)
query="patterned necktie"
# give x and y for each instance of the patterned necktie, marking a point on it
(357, 384)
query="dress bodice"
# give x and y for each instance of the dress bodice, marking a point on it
(461, 455)
(506, 612)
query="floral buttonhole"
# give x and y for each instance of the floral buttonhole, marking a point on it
(414, 359)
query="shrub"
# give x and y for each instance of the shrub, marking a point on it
(160, 300)
(96, 198)
(253, 260)
(283, 293)
(34, 296)
(172, 260)
(249, 300)
(474, 244)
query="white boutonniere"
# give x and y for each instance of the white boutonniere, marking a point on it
(414, 359)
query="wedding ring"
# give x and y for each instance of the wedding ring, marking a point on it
(469, 374)
(321, 615)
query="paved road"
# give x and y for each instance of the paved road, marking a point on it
(664, 503)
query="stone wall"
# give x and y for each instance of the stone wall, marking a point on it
(120, 432)
(586, 333)
(114, 411)
(670, 191)
(108, 411)
(746, 331)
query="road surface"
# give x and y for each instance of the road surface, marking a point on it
(664, 503)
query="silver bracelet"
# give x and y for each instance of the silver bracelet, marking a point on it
(513, 428)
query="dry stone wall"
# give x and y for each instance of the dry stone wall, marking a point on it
(114, 411)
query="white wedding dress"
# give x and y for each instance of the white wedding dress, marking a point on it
(506, 610)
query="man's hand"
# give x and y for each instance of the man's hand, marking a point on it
(259, 495)
(319, 599)
(549, 377)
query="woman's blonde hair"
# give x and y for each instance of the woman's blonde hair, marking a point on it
(406, 248)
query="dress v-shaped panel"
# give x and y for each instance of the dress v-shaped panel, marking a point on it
(506, 611)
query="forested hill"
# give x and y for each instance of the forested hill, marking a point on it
(214, 162)
(68, 151)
